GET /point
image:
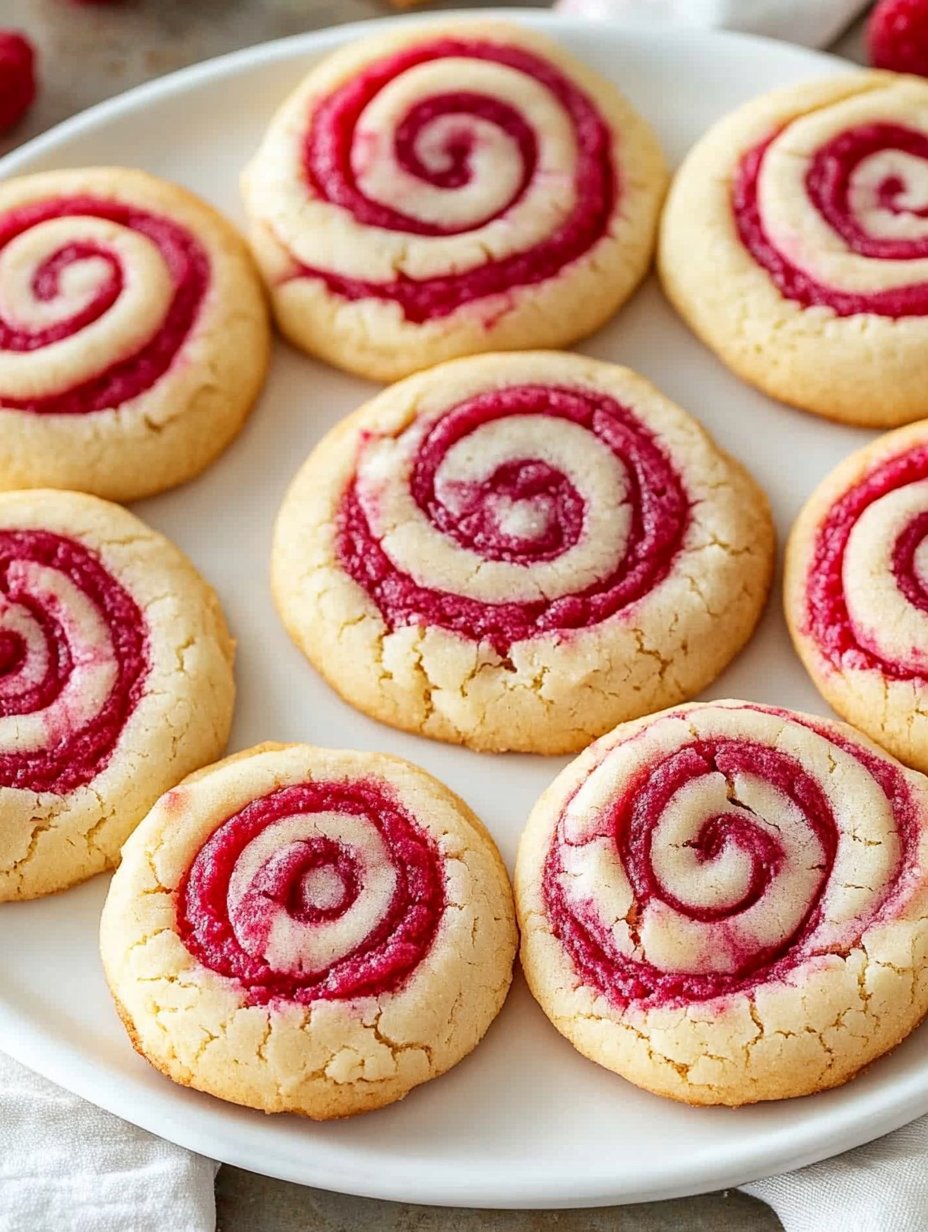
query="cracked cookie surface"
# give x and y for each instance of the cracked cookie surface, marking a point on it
(795, 244)
(115, 682)
(519, 552)
(727, 903)
(856, 591)
(308, 930)
(451, 189)
(134, 335)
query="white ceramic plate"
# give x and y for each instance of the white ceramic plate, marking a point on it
(525, 1121)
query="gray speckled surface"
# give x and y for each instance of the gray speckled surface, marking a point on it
(255, 1204)
(88, 53)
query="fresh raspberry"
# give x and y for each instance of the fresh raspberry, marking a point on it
(17, 78)
(897, 36)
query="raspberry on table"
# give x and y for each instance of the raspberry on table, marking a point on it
(17, 78)
(897, 36)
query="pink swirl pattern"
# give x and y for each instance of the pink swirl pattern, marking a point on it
(435, 143)
(865, 185)
(725, 861)
(319, 891)
(871, 544)
(482, 483)
(73, 662)
(69, 268)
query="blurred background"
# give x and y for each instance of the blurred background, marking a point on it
(88, 51)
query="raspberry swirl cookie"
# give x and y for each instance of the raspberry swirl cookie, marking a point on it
(451, 189)
(303, 930)
(133, 333)
(115, 682)
(520, 551)
(795, 243)
(727, 903)
(856, 591)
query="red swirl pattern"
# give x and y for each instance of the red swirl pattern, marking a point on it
(73, 662)
(629, 827)
(828, 185)
(305, 880)
(827, 619)
(655, 496)
(122, 377)
(328, 169)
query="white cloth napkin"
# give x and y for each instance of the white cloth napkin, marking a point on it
(814, 23)
(66, 1166)
(882, 1187)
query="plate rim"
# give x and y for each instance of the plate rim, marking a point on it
(310, 41)
(33, 1044)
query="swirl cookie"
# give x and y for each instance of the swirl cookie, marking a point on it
(115, 682)
(727, 903)
(133, 333)
(451, 189)
(519, 552)
(303, 930)
(856, 591)
(795, 243)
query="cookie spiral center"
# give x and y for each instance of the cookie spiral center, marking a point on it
(685, 873)
(464, 158)
(97, 299)
(871, 185)
(867, 580)
(315, 892)
(515, 513)
(513, 176)
(73, 662)
(845, 226)
(320, 880)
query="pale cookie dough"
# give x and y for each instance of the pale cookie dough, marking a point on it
(450, 189)
(115, 682)
(519, 552)
(856, 591)
(306, 930)
(134, 336)
(795, 243)
(727, 903)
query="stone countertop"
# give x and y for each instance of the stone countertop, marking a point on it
(89, 52)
